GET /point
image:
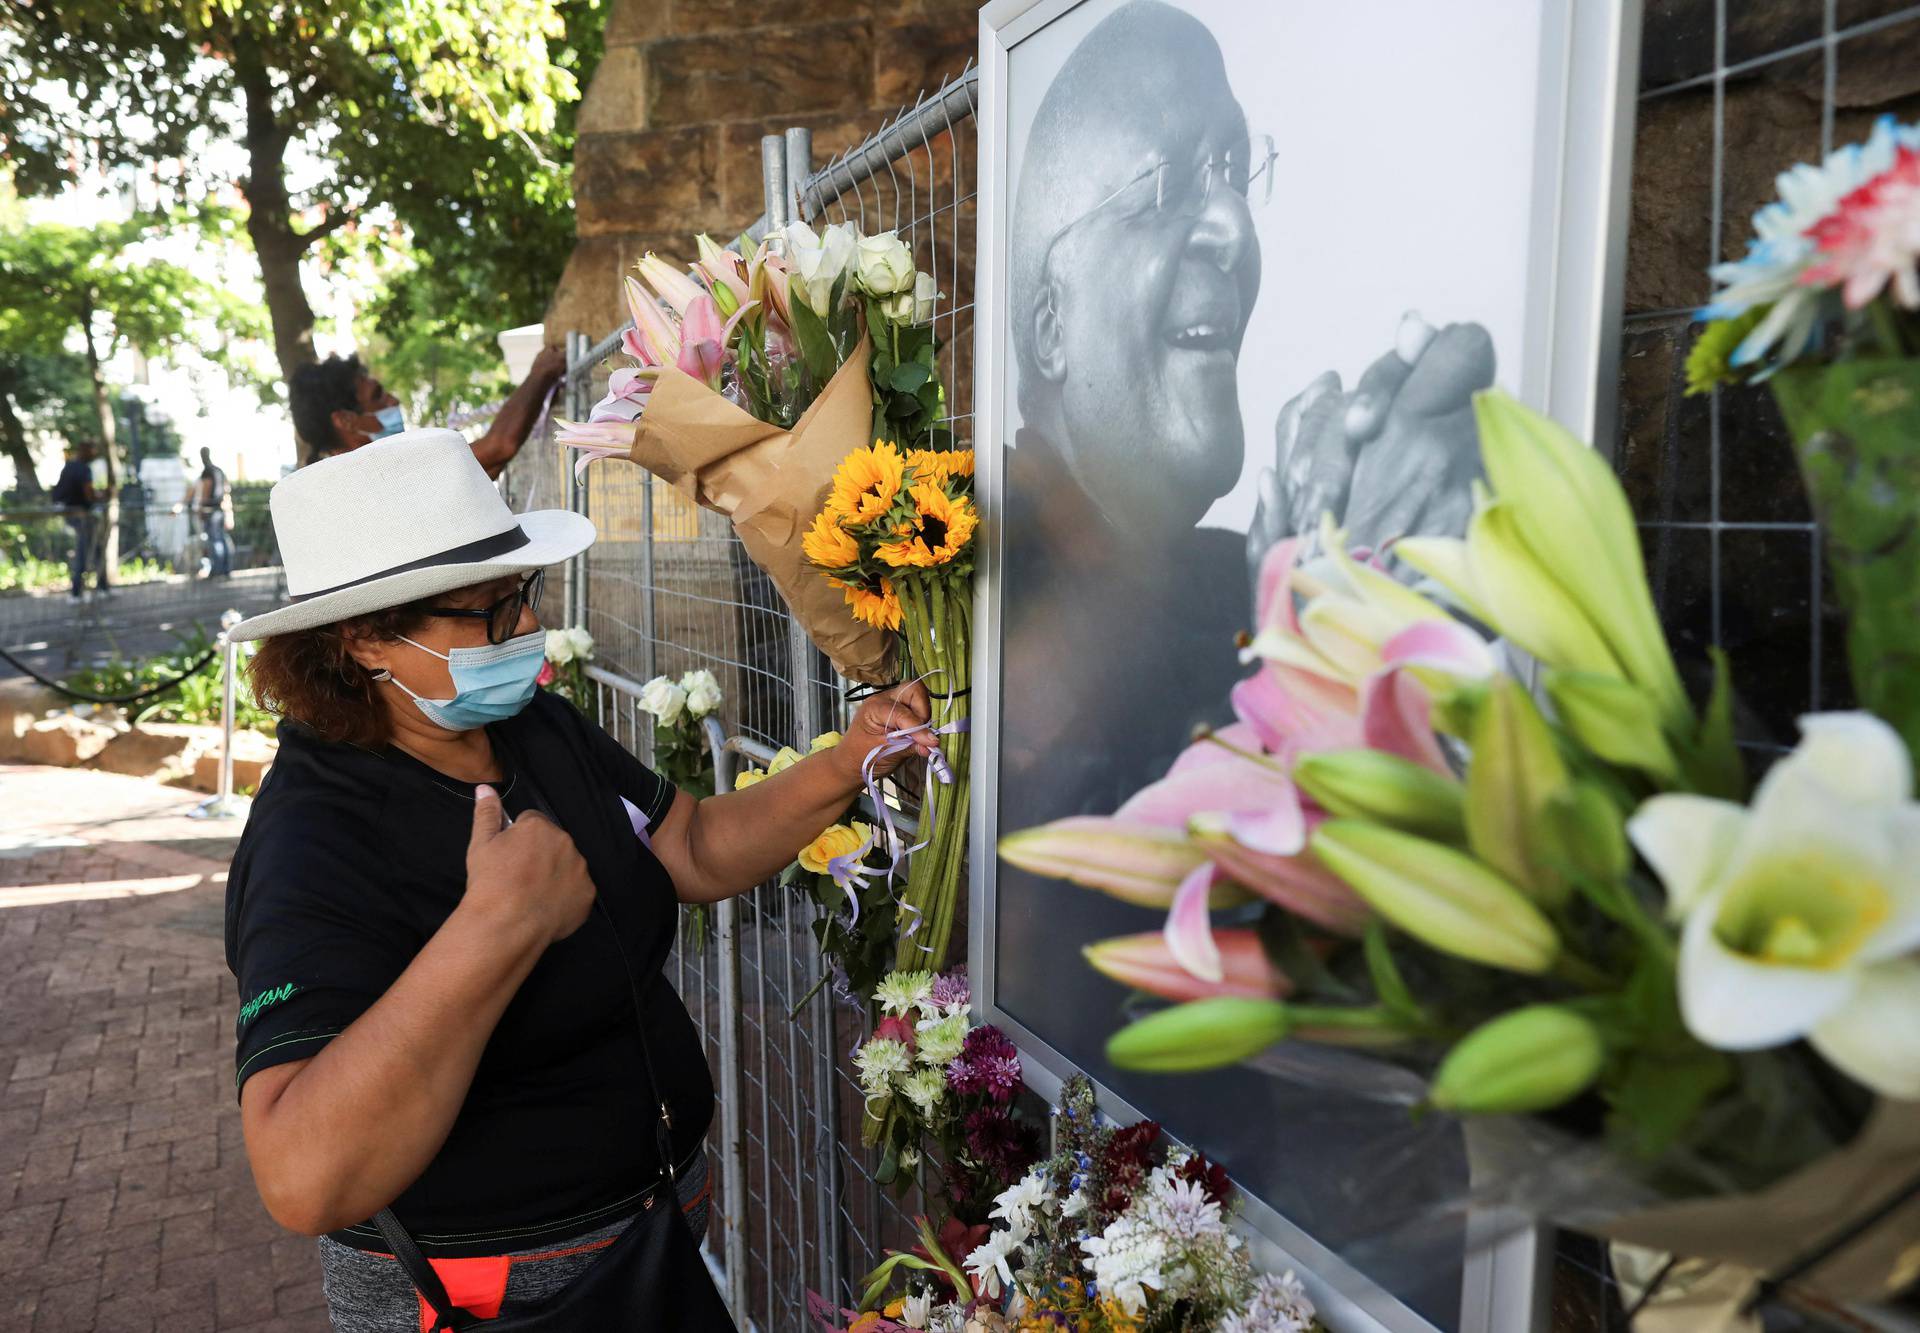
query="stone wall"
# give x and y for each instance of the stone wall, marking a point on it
(670, 128)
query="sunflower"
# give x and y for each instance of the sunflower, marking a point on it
(829, 545)
(879, 609)
(866, 483)
(940, 465)
(940, 528)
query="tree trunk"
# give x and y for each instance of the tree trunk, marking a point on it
(13, 439)
(270, 224)
(103, 409)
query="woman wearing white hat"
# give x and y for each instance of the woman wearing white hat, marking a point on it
(459, 1062)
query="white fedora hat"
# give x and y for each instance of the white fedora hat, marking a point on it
(396, 520)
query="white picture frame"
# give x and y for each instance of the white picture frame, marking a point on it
(1571, 279)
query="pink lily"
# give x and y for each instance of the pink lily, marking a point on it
(703, 349)
(627, 391)
(767, 282)
(595, 440)
(1351, 609)
(654, 338)
(722, 267)
(1145, 963)
(671, 285)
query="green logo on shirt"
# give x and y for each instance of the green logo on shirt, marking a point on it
(266, 999)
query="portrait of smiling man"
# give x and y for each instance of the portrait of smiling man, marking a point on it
(1171, 417)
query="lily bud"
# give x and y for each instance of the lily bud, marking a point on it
(1528, 606)
(1531, 1059)
(1441, 897)
(1146, 963)
(1590, 832)
(1569, 510)
(1614, 719)
(1515, 771)
(1135, 864)
(671, 284)
(1202, 1034)
(1385, 789)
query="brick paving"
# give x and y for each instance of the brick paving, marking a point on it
(125, 1200)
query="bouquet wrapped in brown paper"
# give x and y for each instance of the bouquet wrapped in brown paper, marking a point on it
(755, 376)
(771, 482)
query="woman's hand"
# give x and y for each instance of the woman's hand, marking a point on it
(529, 873)
(899, 709)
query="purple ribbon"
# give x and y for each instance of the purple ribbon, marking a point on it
(639, 822)
(895, 742)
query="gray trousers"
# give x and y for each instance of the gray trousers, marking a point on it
(371, 1293)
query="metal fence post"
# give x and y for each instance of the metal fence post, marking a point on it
(577, 407)
(733, 1137)
(223, 804)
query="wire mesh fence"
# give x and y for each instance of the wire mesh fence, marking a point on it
(1730, 94)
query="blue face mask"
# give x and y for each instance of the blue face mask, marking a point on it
(392, 421)
(490, 684)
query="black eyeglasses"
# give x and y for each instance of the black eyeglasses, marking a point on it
(503, 617)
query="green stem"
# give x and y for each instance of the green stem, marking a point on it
(1578, 972)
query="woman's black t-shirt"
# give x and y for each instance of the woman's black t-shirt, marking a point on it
(350, 862)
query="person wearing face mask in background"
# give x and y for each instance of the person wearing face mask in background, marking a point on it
(339, 405)
(453, 893)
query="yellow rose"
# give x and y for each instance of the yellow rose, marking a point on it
(826, 740)
(839, 840)
(747, 778)
(783, 761)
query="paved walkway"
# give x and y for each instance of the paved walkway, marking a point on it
(125, 1201)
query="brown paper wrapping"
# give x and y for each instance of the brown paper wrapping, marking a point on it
(770, 483)
(1764, 1231)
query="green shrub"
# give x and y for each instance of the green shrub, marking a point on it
(196, 699)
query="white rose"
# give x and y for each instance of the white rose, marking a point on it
(703, 692)
(559, 647)
(581, 643)
(885, 265)
(914, 307)
(818, 259)
(664, 699)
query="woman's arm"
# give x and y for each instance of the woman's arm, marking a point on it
(334, 1139)
(725, 845)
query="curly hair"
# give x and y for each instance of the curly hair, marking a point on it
(311, 676)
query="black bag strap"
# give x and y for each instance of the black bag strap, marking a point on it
(449, 1316)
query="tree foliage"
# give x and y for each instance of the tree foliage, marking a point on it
(454, 112)
(100, 286)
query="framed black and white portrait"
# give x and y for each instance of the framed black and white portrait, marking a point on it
(1243, 263)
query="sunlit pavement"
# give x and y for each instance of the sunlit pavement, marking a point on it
(125, 1201)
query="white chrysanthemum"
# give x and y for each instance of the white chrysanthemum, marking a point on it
(879, 1061)
(1015, 1204)
(902, 992)
(939, 1040)
(916, 1308)
(987, 1265)
(1279, 1305)
(1180, 1210)
(1126, 1260)
(949, 1318)
(925, 1088)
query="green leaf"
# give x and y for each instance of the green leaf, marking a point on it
(1656, 1095)
(909, 375)
(1388, 984)
(816, 344)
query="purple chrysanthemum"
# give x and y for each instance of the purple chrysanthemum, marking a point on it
(989, 1063)
(950, 988)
